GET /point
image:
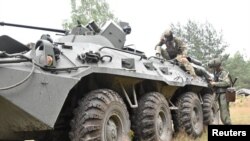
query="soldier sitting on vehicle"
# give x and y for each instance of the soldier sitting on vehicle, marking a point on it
(175, 48)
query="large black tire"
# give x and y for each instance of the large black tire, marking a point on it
(189, 115)
(100, 116)
(152, 119)
(211, 114)
(177, 121)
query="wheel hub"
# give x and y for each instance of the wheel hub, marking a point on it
(195, 118)
(160, 125)
(111, 130)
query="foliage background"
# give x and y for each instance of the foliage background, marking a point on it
(86, 11)
(204, 41)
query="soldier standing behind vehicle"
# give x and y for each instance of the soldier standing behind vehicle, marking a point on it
(221, 83)
(175, 48)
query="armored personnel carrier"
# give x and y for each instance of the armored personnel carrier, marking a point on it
(89, 86)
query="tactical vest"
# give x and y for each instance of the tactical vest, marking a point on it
(172, 49)
(219, 90)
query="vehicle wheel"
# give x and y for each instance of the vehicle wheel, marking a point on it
(211, 114)
(153, 119)
(177, 116)
(101, 115)
(191, 116)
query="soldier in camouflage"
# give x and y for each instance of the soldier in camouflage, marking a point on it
(221, 83)
(175, 48)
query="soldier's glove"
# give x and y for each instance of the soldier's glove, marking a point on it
(209, 79)
(158, 51)
(211, 84)
(158, 55)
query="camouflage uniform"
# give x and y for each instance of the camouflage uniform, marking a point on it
(222, 81)
(175, 49)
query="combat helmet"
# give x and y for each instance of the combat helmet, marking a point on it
(168, 34)
(214, 62)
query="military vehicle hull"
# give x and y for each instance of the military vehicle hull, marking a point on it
(92, 74)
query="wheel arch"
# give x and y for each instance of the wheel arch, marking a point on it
(101, 81)
(95, 81)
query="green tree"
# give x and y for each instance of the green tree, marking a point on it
(240, 68)
(203, 40)
(86, 11)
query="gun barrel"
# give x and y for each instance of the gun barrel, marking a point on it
(33, 27)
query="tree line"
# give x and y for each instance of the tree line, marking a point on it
(206, 43)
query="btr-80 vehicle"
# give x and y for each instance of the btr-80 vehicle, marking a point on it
(89, 86)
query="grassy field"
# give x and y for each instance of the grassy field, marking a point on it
(240, 111)
(240, 114)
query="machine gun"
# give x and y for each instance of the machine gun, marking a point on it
(11, 45)
(34, 27)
